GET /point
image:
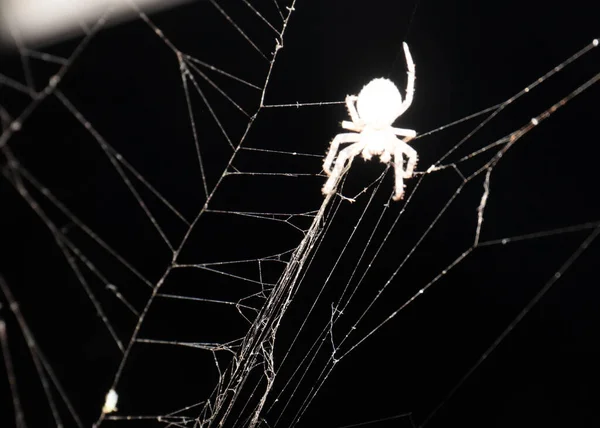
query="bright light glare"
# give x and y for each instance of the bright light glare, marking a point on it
(46, 21)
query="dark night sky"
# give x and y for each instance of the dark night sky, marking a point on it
(469, 56)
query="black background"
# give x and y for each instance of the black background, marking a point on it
(469, 56)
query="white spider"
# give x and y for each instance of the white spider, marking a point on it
(378, 105)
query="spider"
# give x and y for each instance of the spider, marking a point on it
(378, 105)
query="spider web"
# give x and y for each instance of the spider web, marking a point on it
(164, 234)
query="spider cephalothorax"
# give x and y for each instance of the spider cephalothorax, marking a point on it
(373, 112)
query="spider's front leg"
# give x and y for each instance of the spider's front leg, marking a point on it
(351, 105)
(335, 145)
(356, 124)
(410, 84)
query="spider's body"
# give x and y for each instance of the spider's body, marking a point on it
(377, 142)
(373, 112)
(379, 103)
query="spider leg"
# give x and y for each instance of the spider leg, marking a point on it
(401, 132)
(350, 103)
(351, 126)
(346, 154)
(412, 156)
(335, 145)
(400, 173)
(410, 85)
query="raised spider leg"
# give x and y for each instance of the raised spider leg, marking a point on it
(347, 154)
(410, 85)
(335, 145)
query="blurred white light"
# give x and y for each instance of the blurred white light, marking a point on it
(46, 21)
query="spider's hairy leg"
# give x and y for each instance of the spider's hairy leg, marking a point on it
(335, 145)
(399, 171)
(412, 159)
(351, 105)
(399, 175)
(345, 155)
